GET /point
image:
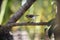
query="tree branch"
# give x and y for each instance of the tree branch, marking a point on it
(27, 24)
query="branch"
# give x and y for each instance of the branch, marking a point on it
(27, 24)
(50, 22)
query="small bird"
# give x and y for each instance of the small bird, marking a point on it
(31, 17)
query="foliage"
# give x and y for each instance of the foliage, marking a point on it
(43, 8)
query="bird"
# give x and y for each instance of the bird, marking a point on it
(0, 3)
(31, 17)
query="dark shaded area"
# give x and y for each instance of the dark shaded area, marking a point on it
(0, 3)
(50, 31)
(51, 23)
(4, 34)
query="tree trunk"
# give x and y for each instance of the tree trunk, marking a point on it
(57, 28)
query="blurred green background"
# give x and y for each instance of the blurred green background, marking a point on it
(45, 9)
